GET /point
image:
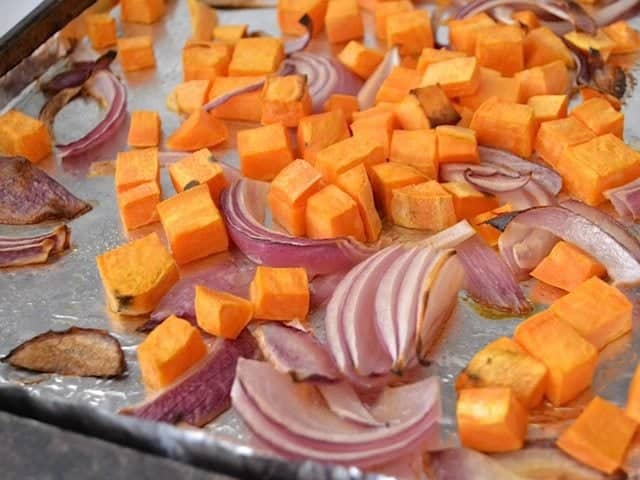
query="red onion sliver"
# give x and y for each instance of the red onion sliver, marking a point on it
(625, 199)
(368, 92)
(343, 400)
(61, 235)
(495, 183)
(612, 12)
(300, 43)
(29, 254)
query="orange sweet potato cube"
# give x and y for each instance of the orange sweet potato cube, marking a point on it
(548, 107)
(491, 85)
(343, 21)
(491, 419)
(587, 93)
(505, 125)
(199, 130)
(138, 205)
(424, 206)
(590, 168)
(527, 19)
(501, 48)
(361, 60)
(383, 10)
(549, 79)
(503, 363)
(416, 148)
(598, 311)
(397, 85)
(256, 56)
(199, 168)
(542, 46)
(436, 106)
(410, 31)
(136, 167)
(141, 11)
(319, 131)
(469, 202)
(205, 60)
(331, 213)
(347, 104)
(245, 107)
(377, 127)
(188, 97)
(463, 33)
(633, 398)
(144, 130)
(169, 350)
(290, 12)
(264, 151)
(346, 154)
(487, 232)
(101, 28)
(24, 136)
(430, 55)
(410, 115)
(466, 115)
(289, 192)
(456, 145)
(285, 100)
(586, 42)
(203, 20)
(625, 38)
(222, 314)
(280, 294)
(555, 136)
(136, 53)
(193, 225)
(385, 177)
(230, 34)
(600, 436)
(571, 359)
(567, 267)
(356, 184)
(600, 117)
(457, 77)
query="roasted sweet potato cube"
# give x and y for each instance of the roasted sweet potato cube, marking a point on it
(567, 267)
(384, 10)
(600, 436)
(557, 135)
(285, 100)
(24, 136)
(169, 350)
(222, 314)
(424, 206)
(144, 130)
(319, 131)
(280, 294)
(332, 213)
(503, 363)
(347, 104)
(600, 117)
(397, 85)
(356, 184)
(199, 130)
(542, 46)
(598, 311)
(633, 398)
(469, 202)
(378, 128)
(549, 79)
(527, 19)
(136, 167)
(548, 107)
(463, 33)
(343, 21)
(410, 31)
(193, 225)
(501, 48)
(141, 11)
(487, 232)
(491, 85)
(245, 107)
(466, 115)
(505, 125)
(203, 20)
(361, 60)
(346, 154)
(587, 93)
(625, 38)
(491, 419)
(199, 168)
(417, 148)
(256, 56)
(457, 77)
(101, 28)
(136, 53)
(571, 359)
(385, 177)
(230, 34)
(436, 106)
(585, 42)
(264, 151)
(410, 115)
(138, 205)
(188, 97)
(205, 60)
(291, 11)
(429, 56)
(456, 145)
(590, 168)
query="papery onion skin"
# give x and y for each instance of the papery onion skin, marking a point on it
(78, 74)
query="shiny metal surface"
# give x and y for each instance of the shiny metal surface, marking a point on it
(68, 291)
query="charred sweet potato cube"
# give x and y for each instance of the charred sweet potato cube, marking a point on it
(436, 106)
(285, 100)
(256, 56)
(585, 42)
(264, 151)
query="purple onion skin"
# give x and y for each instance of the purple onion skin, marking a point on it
(79, 73)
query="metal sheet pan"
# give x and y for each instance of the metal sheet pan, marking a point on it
(68, 292)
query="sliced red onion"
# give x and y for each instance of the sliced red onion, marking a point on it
(608, 14)
(325, 77)
(78, 74)
(488, 279)
(300, 43)
(104, 84)
(293, 419)
(296, 352)
(368, 92)
(61, 236)
(321, 287)
(29, 254)
(222, 99)
(203, 393)
(495, 183)
(343, 400)
(626, 199)
(243, 206)
(523, 247)
(464, 464)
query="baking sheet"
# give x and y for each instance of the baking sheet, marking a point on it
(68, 291)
